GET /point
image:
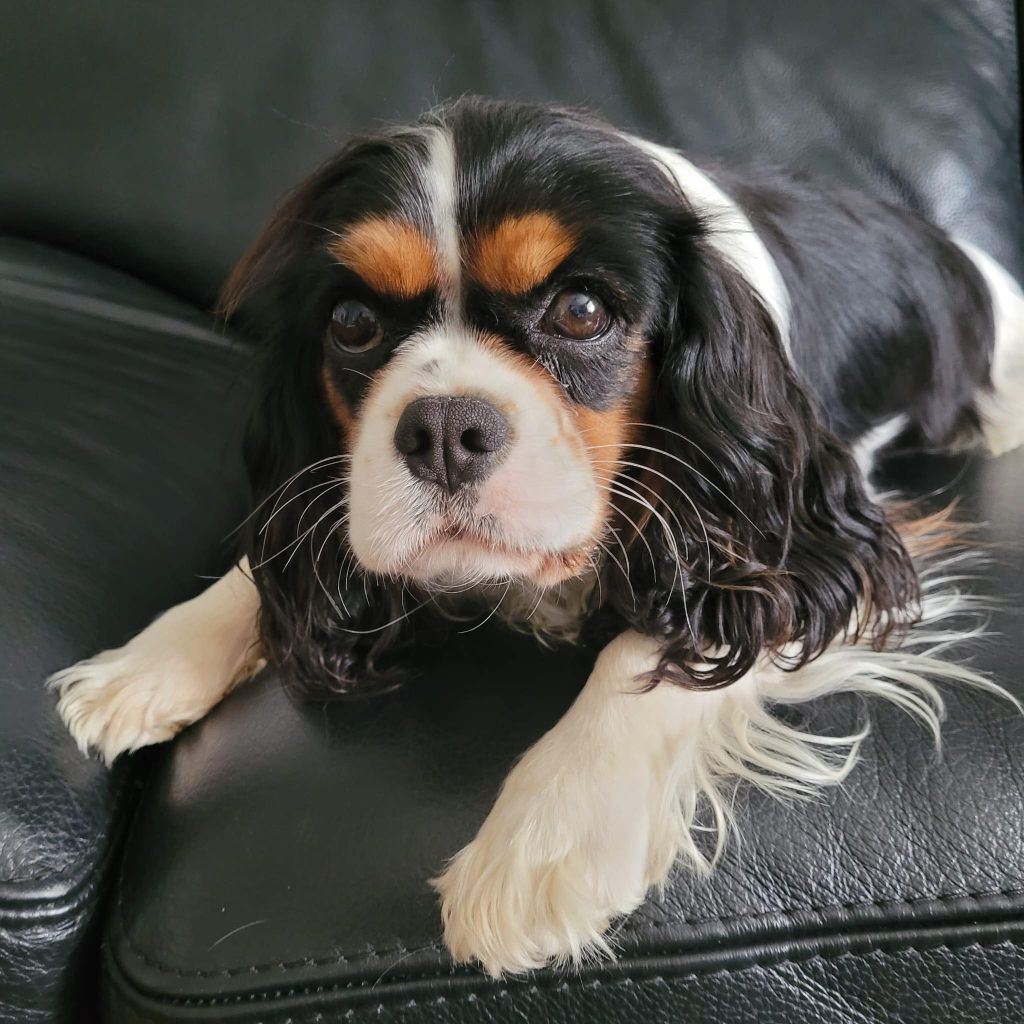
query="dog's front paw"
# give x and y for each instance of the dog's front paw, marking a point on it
(147, 691)
(113, 704)
(552, 865)
(513, 913)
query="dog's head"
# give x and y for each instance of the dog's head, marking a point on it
(499, 348)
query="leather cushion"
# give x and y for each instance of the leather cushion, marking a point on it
(113, 500)
(277, 867)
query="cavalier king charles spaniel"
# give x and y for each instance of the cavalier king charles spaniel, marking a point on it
(514, 357)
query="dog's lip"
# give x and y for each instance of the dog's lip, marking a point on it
(543, 566)
(461, 532)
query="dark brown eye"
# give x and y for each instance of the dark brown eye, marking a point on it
(355, 327)
(576, 314)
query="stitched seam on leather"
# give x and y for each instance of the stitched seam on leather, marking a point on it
(563, 986)
(598, 983)
(82, 872)
(667, 922)
(373, 954)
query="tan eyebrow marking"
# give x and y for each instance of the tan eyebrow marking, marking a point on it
(392, 256)
(520, 252)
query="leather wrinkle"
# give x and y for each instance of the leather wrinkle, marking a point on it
(79, 881)
(559, 983)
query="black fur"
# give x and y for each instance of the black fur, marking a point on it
(889, 316)
(782, 547)
(322, 621)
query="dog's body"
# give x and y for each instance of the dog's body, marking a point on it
(512, 351)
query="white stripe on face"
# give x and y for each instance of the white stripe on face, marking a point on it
(440, 189)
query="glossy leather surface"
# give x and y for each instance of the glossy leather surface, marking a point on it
(276, 868)
(285, 849)
(119, 469)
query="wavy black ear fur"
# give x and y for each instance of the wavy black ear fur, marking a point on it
(782, 549)
(328, 627)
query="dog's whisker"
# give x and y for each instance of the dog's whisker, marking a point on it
(387, 625)
(492, 613)
(684, 463)
(643, 539)
(675, 552)
(277, 490)
(293, 545)
(682, 532)
(316, 570)
(625, 569)
(668, 480)
(326, 484)
(615, 561)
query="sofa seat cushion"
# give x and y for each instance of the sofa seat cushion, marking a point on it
(113, 501)
(278, 865)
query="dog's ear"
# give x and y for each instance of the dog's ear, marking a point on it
(323, 623)
(777, 546)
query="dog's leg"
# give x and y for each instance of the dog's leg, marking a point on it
(598, 810)
(585, 823)
(168, 676)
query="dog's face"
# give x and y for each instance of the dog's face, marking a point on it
(482, 298)
(505, 330)
(484, 357)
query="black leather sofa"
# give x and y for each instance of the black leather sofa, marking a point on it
(270, 865)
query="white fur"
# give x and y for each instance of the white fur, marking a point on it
(867, 447)
(440, 186)
(601, 807)
(731, 232)
(1002, 407)
(168, 676)
(542, 498)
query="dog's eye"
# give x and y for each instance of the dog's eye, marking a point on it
(576, 314)
(355, 327)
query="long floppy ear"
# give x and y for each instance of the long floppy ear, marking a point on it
(323, 622)
(767, 541)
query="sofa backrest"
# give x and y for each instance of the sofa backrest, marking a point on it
(157, 137)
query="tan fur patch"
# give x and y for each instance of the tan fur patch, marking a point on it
(935, 533)
(339, 407)
(607, 436)
(391, 256)
(520, 253)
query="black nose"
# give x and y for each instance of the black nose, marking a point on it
(451, 441)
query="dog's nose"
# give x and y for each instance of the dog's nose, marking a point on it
(451, 441)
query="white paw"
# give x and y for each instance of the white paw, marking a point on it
(167, 677)
(113, 703)
(556, 860)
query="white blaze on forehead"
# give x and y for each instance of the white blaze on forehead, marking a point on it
(731, 234)
(439, 187)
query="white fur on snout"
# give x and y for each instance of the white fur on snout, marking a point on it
(541, 499)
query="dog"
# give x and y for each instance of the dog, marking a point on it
(512, 355)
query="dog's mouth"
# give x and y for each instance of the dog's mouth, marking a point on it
(486, 540)
(462, 532)
(459, 548)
